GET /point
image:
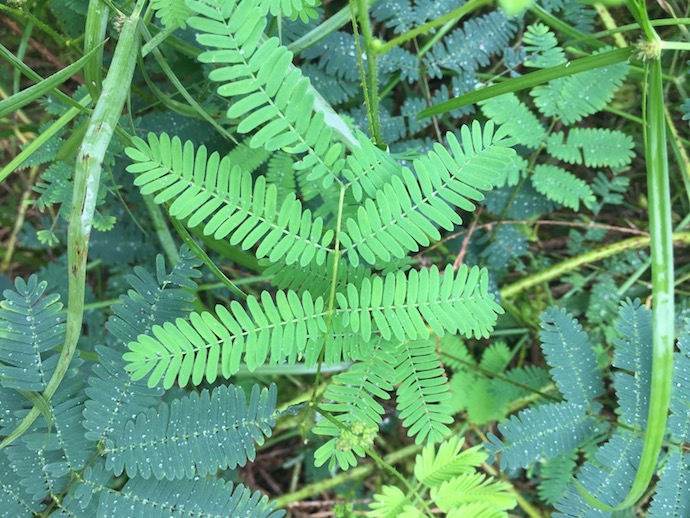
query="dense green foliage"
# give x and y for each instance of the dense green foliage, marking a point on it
(272, 249)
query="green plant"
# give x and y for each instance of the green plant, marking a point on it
(555, 431)
(450, 478)
(321, 178)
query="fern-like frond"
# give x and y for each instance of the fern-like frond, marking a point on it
(155, 300)
(398, 15)
(473, 488)
(496, 357)
(314, 278)
(508, 244)
(561, 186)
(574, 97)
(205, 345)
(351, 394)
(541, 432)
(571, 357)
(141, 498)
(31, 325)
(280, 173)
(293, 9)
(557, 476)
(335, 90)
(391, 502)
(519, 121)
(633, 355)
(422, 391)
(595, 147)
(351, 400)
(248, 157)
(398, 306)
(471, 46)
(432, 467)
(542, 47)
(519, 383)
(173, 13)
(16, 498)
(672, 497)
(46, 457)
(336, 55)
(232, 204)
(406, 212)
(455, 354)
(608, 479)
(271, 97)
(113, 396)
(196, 435)
(400, 61)
(369, 169)
(55, 186)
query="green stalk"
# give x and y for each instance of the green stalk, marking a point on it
(44, 86)
(162, 231)
(94, 34)
(334, 285)
(663, 314)
(574, 263)
(28, 72)
(159, 38)
(24, 205)
(87, 176)
(626, 28)
(530, 80)
(371, 75)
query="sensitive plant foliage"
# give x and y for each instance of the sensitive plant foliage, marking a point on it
(101, 424)
(401, 211)
(148, 422)
(553, 431)
(488, 389)
(447, 477)
(568, 100)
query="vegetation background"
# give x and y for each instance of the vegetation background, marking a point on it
(389, 258)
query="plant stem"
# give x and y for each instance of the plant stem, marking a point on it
(94, 34)
(19, 222)
(610, 24)
(371, 77)
(663, 314)
(529, 80)
(28, 72)
(576, 262)
(86, 183)
(162, 231)
(334, 286)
